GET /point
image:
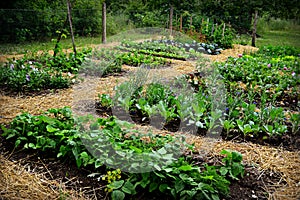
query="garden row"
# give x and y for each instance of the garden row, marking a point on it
(162, 167)
(40, 72)
(259, 102)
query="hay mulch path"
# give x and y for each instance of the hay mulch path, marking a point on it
(16, 183)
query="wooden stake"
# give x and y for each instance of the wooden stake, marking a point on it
(223, 31)
(254, 28)
(71, 28)
(191, 23)
(104, 23)
(207, 24)
(180, 28)
(171, 19)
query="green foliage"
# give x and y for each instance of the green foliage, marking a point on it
(135, 59)
(144, 151)
(279, 51)
(255, 83)
(36, 20)
(221, 34)
(183, 179)
(102, 62)
(21, 76)
(54, 132)
(41, 72)
(233, 165)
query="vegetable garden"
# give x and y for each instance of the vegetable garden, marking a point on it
(139, 124)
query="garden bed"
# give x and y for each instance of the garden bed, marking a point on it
(270, 171)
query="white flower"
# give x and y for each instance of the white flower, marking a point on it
(34, 69)
(73, 80)
(23, 67)
(69, 74)
(30, 63)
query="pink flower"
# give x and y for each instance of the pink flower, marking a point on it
(269, 65)
(293, 73)
(240, 55)
(284, 68)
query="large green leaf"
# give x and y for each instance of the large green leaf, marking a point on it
(117, 195)
(116, 184)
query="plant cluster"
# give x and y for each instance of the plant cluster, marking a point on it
(173, 48)
(169, 103)
(256, 87)
(53, 132)
(183, 179)
(214, 33)
(25, 76)
(137, 59)
(57, 131)
(263, 88)
(41, 72)
(102, 62)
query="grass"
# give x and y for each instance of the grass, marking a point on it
(35, 46)
(280, 38)
(275, 32)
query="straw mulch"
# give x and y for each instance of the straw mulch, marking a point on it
(233, 52)
(16, 183)
(273, 159)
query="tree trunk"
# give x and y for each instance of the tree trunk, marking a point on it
(171, 19)
(71, 28)
(254, 28)
(104, 23)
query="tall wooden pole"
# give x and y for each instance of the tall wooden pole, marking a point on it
(71, 28)
(191, 23)
(254, 28)
(171, 19)
(180, 28)
(104, 23)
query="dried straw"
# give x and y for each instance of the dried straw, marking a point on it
(16, 183)
(276, 160)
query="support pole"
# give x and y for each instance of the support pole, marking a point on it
(171, 19)
(254, 28)
(104, 23)
(71, 28)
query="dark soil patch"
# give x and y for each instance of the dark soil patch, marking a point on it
(288, 141)
(252, 186)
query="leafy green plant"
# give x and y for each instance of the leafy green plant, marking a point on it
(25, 76)
(54, 131)
(105, 100)
(233, 166)
(183, 180)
